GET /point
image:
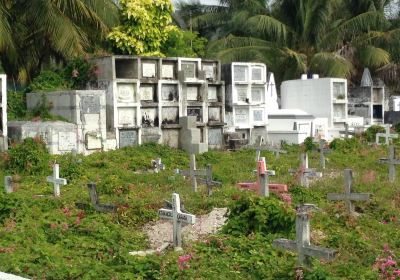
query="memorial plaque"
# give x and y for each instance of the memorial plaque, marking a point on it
(242, 93)
(258, 115)
(168, 71)
(212, 93)
(192, 93)
(169, 92)
(241, 116)
(214, 114)
(257, 94)
(147, 92)
(215, 137)
(92, 119)
(240, 73)
(126, 93)
(195, 111)
(66, 141)
(149, 117)
(189, 69)
(128, 138)
(127, 116)
(93, 141)
(210, 71)
(256, 74)
(170, 115)
(148, 70)
(90, 104)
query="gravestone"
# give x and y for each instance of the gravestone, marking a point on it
(348, 195)
(94, 199)
(304, 172)
(178, 217)
(392, 161)
(56, 180)
(128, 137)
(262, 185)
(190, 138)
(387, 135)
(8, 184)
(302, 245)
(322, 151)
(157, 165)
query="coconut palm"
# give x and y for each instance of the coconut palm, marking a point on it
(34, 31)
(330, 37)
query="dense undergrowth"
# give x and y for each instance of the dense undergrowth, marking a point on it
(46, 238)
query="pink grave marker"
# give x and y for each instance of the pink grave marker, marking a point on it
(262, 181)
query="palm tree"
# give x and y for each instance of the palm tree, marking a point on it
(32, 32)
(294, 37)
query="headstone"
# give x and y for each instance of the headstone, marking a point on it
(192, 93)
(392, 161)
(56, 180)
(94, 199)
(169, 92)
(240, 73)
(262, 185)
(212, 94)
(242, 93)
(147, 92)
(302, 245)
(167, 71)
(157, 165)
(322, 151)
(148, 70)
(90, 104)
(387, 135)
(126, 93)
(348, 195)
(8, 184)
(128, 137)
(304, 172)
(178, 217)
(189, 69)
(127, 116)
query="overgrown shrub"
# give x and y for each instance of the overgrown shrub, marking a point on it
(371, 132)
(48, 81)
(30, 157)
(79, 72)
(309, 144)
(345, 145)
(251, 214)
(16, 105)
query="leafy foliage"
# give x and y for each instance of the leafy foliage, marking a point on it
(48, 81)
(371, 132)
(309, 144)
(79, 72)
(345, 145)
(182, 43)
(16, 105)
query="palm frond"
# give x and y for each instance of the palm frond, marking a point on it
(373, 57)
(268, 27)
(231, 42)
(330, 65)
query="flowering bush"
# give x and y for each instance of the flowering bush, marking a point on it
(387, 265)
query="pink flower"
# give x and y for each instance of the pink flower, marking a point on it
(384, 222)
(75, 73)
(286, 197)
(66, 211)
(390, 262)
(396, 272)
(182, 261)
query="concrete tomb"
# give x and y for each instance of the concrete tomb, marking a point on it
(392, 162)
(387, 135)
(190, 136)
(302, 245)
(178, 218)
(348, 195)
(304, 172)
(262, 185)
(56, 180)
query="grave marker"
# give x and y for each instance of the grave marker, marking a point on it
(157, 165)
(94, 199)
(322, 151)
(260, 147)
(56, 180)
(178, 217)
(392, 161)
(8, 184)
(305, 172)
(386, 135)
(208, 181)
(302, 244)
(348, 195)
(262, 185)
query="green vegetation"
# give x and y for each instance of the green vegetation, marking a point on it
(51, 238)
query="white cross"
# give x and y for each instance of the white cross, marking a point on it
(302, 244)
(385, 135)
(322, 152)
(193, 173)
(56, 180)
(349, 196)
(178, 217)
(392, 161)
(157, 165)
(305, 172)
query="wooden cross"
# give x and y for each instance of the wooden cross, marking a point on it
(94, 199)
(260, 147)
(304, 171)
(322, 151)
(348, 195)
(157, 165)
(302, 244)
(56, 180)
(178, 217)
(385, 135)
(392, 161)
(208, 181)
(8, 187)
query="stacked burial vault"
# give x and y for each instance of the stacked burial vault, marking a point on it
(146, 97)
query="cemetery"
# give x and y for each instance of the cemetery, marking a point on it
(177, 140)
